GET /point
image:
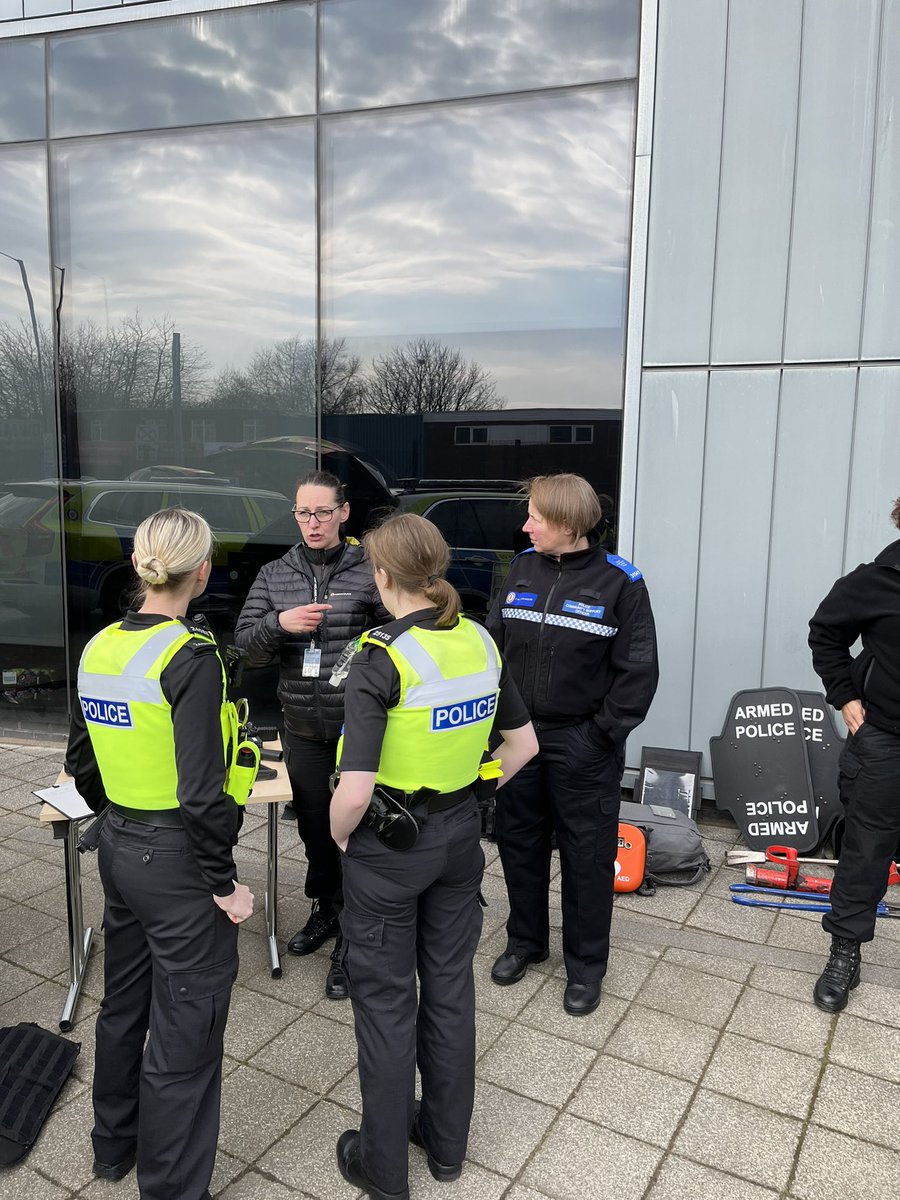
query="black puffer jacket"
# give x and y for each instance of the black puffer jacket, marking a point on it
(312, 707)
(864, 604)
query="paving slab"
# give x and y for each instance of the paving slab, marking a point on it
(506, 1128)
(313, 1052)
(833, 1166)
(578, 1160)
(545, 1011)
(304, 1159)
(662, 1042)
(740, 1138)
(535, 1064)
(691, 994)
(863, 1106)
(258, 1109)
(750, 1070)
(780, 1021)
(679, 1179)
(660, 1100)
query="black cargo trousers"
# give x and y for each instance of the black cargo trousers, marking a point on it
(170, 961)
(310, 765)
(573, 786)
(869, 775)
(406, 913)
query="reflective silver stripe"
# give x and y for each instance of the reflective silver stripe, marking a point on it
(493, 654)
(119, 687)
(418, 658)
(528, 614)
(144, 658)
(453, 691)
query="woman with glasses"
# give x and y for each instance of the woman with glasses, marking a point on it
(300, 613)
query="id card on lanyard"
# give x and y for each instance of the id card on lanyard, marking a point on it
(312, 655)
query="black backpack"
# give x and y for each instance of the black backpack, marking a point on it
(673, 844)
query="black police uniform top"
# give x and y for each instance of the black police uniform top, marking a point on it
(192, 684)
(579, 636)
(374, 686)
(864, 604)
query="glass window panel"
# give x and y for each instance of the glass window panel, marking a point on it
(432, 296)
(499, 521)
(11, 10)
(436, 49)
(32, 658)
(201, 69)
(188, 308)
(46, 8)
(22, 89)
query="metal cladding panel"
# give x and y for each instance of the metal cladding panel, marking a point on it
(881, 328)
(874, 478)
(759, 136)
(685, 179)
(742, 417)
(673, 413)
(834, 175)
(815, 428)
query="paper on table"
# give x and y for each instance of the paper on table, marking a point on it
(66, 799)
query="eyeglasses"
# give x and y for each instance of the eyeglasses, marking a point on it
(322, 515)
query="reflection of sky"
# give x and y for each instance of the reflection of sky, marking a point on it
(380, 52)
(225, 66)
(21, 90)
(494, 217)
(214, 230)
(23, 232)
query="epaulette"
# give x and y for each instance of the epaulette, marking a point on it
(530, 550)
(616, 560)
(381, 636)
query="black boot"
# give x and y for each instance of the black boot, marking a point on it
(841, 975)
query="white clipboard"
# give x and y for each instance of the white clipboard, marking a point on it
(66, 799)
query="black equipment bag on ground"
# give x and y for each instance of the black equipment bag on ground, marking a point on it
(673, 844)
(34, 1064)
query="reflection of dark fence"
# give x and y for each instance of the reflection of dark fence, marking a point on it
(395, 440)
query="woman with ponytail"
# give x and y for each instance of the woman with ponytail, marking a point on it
(424, 695)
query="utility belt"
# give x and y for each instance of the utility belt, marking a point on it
(164, 818)
(390, 819)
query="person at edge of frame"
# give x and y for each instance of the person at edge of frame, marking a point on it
(866, 689)
(301, 612)
(423, 696)
(148, 747)
(577, 630)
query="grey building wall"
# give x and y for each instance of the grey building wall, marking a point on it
(761, 451)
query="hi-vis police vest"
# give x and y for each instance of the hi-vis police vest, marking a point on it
(129, 719)
(449, 683)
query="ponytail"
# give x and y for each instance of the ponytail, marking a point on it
(445, 598)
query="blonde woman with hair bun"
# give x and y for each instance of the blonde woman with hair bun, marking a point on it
(147, 749)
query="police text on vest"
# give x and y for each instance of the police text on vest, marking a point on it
(107, 712)
(453, 716)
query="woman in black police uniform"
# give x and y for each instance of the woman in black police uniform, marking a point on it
(422, 697)
(173, 902)
(301, 612)
(576, 627)
(864, 604)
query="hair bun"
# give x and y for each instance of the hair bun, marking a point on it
(153, 571)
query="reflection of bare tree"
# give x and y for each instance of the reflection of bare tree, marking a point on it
(283, 377)
(129, 366)
(25, 375)
(425, 376)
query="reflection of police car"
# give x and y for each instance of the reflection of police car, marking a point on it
(100, 517)
(481, 522)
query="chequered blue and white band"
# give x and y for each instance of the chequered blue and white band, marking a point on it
(528, 614)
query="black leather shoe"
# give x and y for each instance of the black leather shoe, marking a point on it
(510, 968)
(322, 925)
(350, 1166)
(114, 1172)
(840, 977)
(442, 1172)
(581, 998)
(337, 985)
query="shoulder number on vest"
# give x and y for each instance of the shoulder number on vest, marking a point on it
(616, 560)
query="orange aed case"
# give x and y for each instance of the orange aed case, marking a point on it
(630, 858)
